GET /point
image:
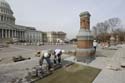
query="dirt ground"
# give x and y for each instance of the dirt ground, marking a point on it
(72, 74)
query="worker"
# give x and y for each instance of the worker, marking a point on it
(57, 56)
(46, 56)
(95, 45)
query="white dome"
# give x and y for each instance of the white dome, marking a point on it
(4, 4)
(6, 14)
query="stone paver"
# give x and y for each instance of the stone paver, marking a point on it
(12, 70)
(16, 70)
(111, 76)
(107, 75)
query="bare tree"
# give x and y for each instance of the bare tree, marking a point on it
(113, 24)
(110, 26)
(94, 29)
(100, 28)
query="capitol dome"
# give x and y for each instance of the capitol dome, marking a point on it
(4, 4)
(6, 14)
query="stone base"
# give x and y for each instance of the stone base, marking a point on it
(113, 43)
(85, 54)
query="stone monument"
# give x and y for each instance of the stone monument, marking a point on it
(84, 37)
(117, 39)
(112, 40)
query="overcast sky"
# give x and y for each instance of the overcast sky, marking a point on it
(63, 15)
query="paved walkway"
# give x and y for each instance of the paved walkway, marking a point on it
(107, 75)
(111, 76)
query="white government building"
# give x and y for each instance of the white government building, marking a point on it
(9, 31)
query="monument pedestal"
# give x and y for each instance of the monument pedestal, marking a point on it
(84, 54)
(112, 41)
(85, 38)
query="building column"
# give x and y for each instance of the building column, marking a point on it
(18, 35)
(0, 18)
(3, 18)
(29, 38)
(21, 35)
(5, 33)
(2, 33)
(15, 34)
(12, 34)
(9, 33)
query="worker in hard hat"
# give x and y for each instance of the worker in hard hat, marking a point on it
(57, 56)
(46, 56)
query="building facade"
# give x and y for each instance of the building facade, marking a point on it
(9, 31)
(56, 37)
